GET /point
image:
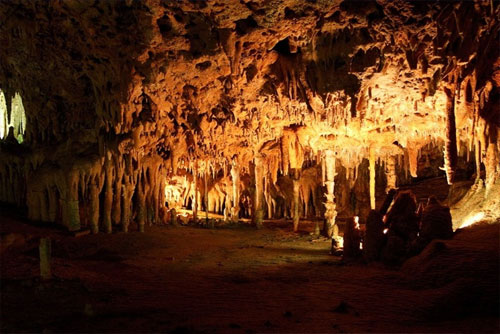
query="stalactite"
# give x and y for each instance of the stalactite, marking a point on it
(235, 178)
(258, 214)
(477, 158)
(195, 194)
(450, 151)
(413, 158)
(331, 212)
(296, 201)
(205, 190)
(372, 177)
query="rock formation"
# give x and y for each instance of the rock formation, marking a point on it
(123, 110)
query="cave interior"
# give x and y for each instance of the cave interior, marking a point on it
(257, 165)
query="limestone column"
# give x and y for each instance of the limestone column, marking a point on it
(477, 156)
(296, 199)
(332, 229)
(195, 195)
(259, 191)
(235, 177)
(372, 178)
(450, 147)
(206, 195)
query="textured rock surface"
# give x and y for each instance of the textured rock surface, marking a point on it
(133, 106)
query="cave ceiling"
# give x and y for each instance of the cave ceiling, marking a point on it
(224, 81)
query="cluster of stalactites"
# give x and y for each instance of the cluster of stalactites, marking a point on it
(13, 119)
(95, 192)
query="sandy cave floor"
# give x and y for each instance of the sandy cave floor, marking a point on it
(232, 280)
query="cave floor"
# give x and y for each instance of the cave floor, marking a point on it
(232, 280)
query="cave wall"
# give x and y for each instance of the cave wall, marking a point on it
(253, 106)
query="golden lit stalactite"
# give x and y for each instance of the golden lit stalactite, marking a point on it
(330, 206)
(258, 213)
(235, 178)
(285, 144)
(450, 147)
(477, 158)
(390, 173)
(413, 158)
(195, 194)
(205, 189)
(372, 178)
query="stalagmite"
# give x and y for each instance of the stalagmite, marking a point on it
(450, 148)
(258, 214)
(372, 178)
(331, 212)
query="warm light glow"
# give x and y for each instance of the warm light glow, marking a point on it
(356, 222)
(470, 220)
(386, 230)
(18, 118)
(3, 116)
(340, 241)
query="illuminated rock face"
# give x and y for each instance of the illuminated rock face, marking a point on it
(133, 106)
